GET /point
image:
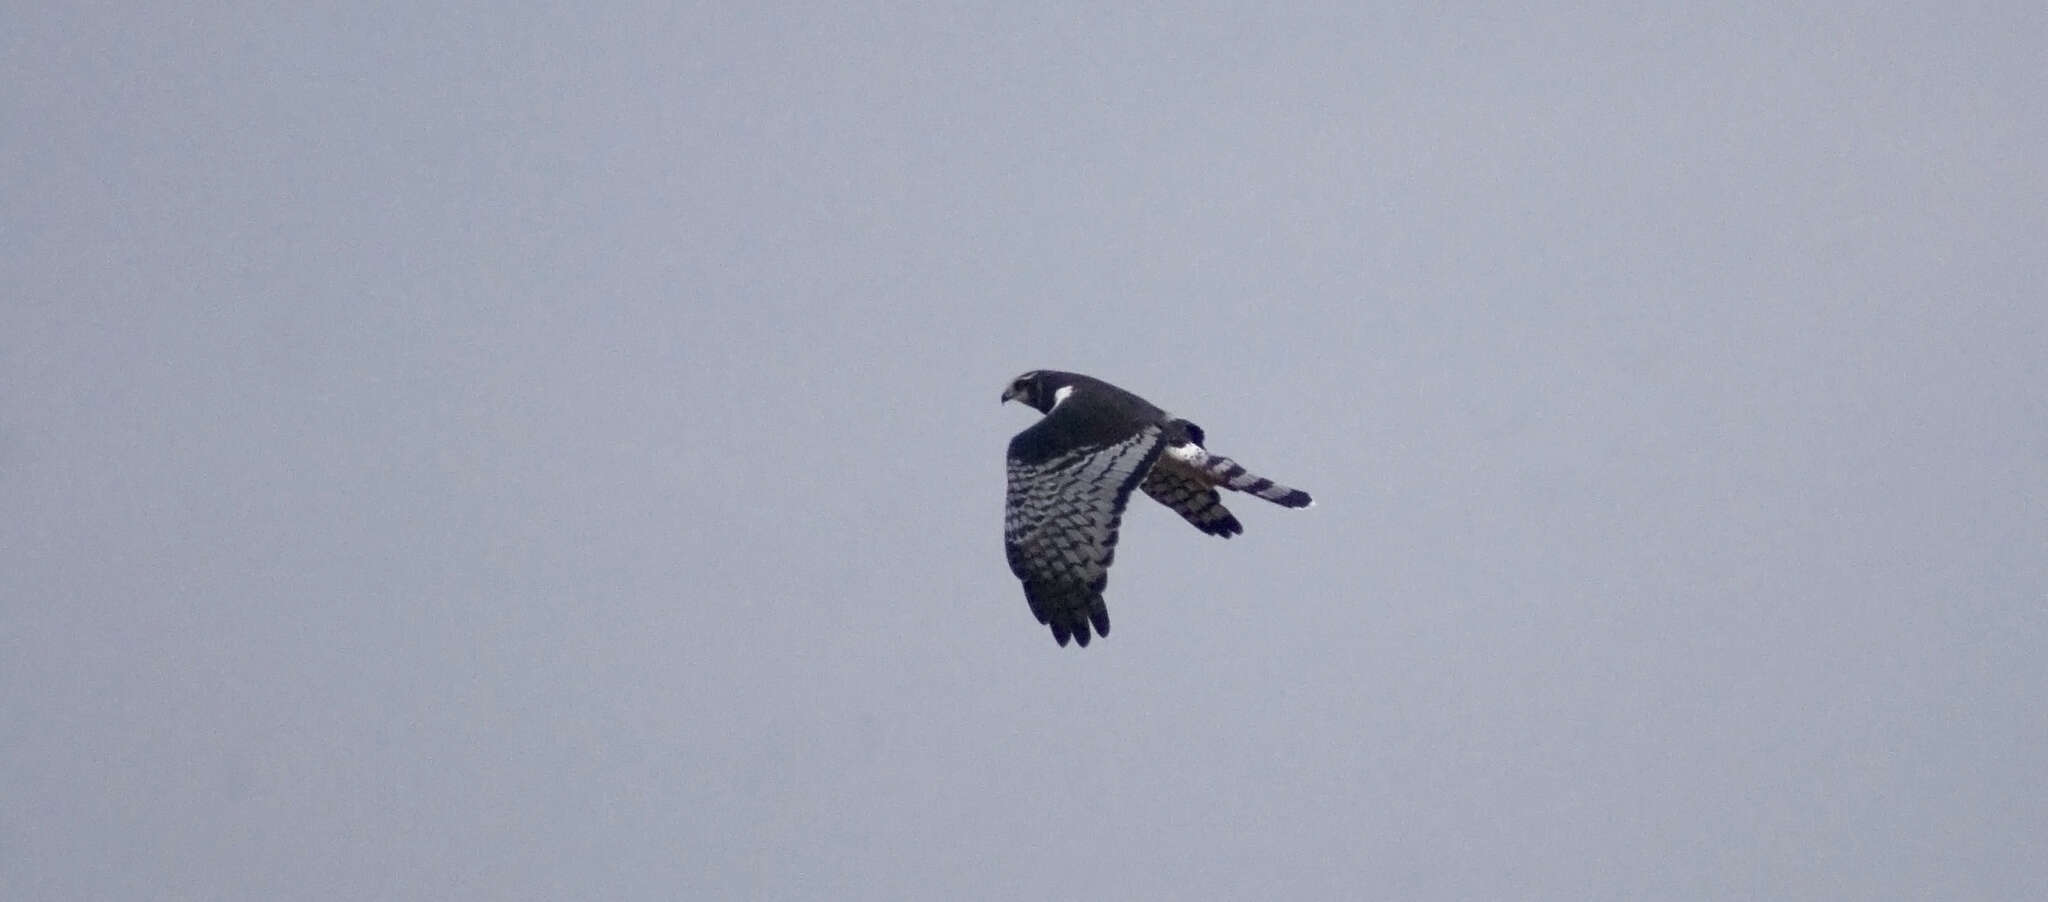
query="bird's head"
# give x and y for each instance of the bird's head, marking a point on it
(1040, 389)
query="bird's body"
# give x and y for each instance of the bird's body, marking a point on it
(1071, 474)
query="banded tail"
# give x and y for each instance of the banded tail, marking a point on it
(1184, 450)
(1232, 475)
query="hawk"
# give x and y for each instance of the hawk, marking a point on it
(1071, 473)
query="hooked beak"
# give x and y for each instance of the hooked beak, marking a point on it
(1010, 394)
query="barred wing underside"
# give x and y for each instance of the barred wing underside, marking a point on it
(1060, 528)
(1196, 501)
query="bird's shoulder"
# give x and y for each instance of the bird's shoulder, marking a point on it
(1093, 416)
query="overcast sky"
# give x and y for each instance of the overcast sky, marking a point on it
(471, 452)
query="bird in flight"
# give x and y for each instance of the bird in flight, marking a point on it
(1071, 473)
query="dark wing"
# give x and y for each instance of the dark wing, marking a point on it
(1065, 505)
(1195, 500)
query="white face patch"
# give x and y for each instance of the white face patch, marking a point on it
(1060, 394)
(1191, 454)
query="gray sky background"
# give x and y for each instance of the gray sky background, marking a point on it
(554, 452)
